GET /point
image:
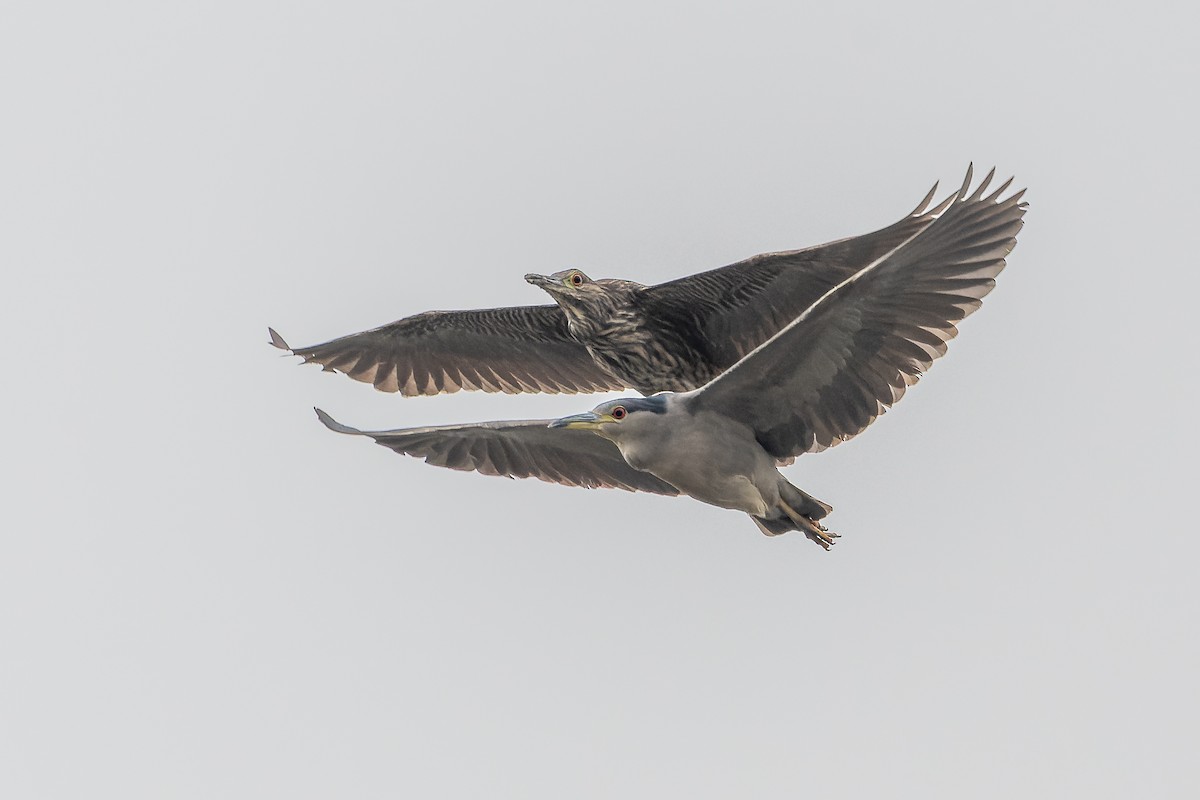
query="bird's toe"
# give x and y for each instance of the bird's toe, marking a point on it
(821, 535)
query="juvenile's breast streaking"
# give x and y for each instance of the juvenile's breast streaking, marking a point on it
(639, 352)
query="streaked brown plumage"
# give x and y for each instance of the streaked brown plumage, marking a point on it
(609, 334)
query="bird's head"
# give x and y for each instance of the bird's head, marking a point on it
(577, 294)
(568, 283)
(616, 417)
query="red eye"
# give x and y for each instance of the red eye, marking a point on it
(618, 412)
(577, 279)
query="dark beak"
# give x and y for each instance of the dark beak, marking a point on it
(543, 281)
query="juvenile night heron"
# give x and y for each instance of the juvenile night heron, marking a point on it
(608, 334)
(818, 382)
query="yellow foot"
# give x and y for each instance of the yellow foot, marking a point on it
(814, 530)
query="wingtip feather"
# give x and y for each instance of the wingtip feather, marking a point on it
(967, 180)
(942, 206)
(333, 424)
(987, 179)
(924, 204)
(277, 340)
(994, 196)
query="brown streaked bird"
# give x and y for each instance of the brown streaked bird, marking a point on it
(821, 380)
(609, 334)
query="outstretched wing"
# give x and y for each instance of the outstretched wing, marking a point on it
(734, 309)
(521, 349)
(844, 361)
(518, 449)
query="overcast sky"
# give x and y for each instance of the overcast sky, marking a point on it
(204, 593)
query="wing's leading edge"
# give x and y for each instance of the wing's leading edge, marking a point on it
(517, 449)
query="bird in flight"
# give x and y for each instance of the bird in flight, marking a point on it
(817, 382)
(609, 334)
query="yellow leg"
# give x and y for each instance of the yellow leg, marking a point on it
(813, 530)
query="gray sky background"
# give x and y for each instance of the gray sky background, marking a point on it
(204, 593)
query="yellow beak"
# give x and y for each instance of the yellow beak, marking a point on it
(589, 420)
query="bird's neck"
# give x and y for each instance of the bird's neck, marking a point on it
(605, 316)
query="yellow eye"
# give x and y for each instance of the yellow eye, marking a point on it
(618, 413)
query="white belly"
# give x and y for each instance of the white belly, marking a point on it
(737, 492)
(732, 471)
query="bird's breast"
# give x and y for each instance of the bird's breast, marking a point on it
(706, 456)
(637, 352)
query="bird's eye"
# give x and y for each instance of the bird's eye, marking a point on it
(619, 412)
(577, 279)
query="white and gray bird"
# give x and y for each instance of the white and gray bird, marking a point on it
(819, 381)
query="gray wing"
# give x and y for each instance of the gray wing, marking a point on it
(521, 349)
(850, 356)
(518, 449)
(738, 307)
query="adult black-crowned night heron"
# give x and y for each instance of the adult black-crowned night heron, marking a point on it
(608, 334)
(818, 382)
